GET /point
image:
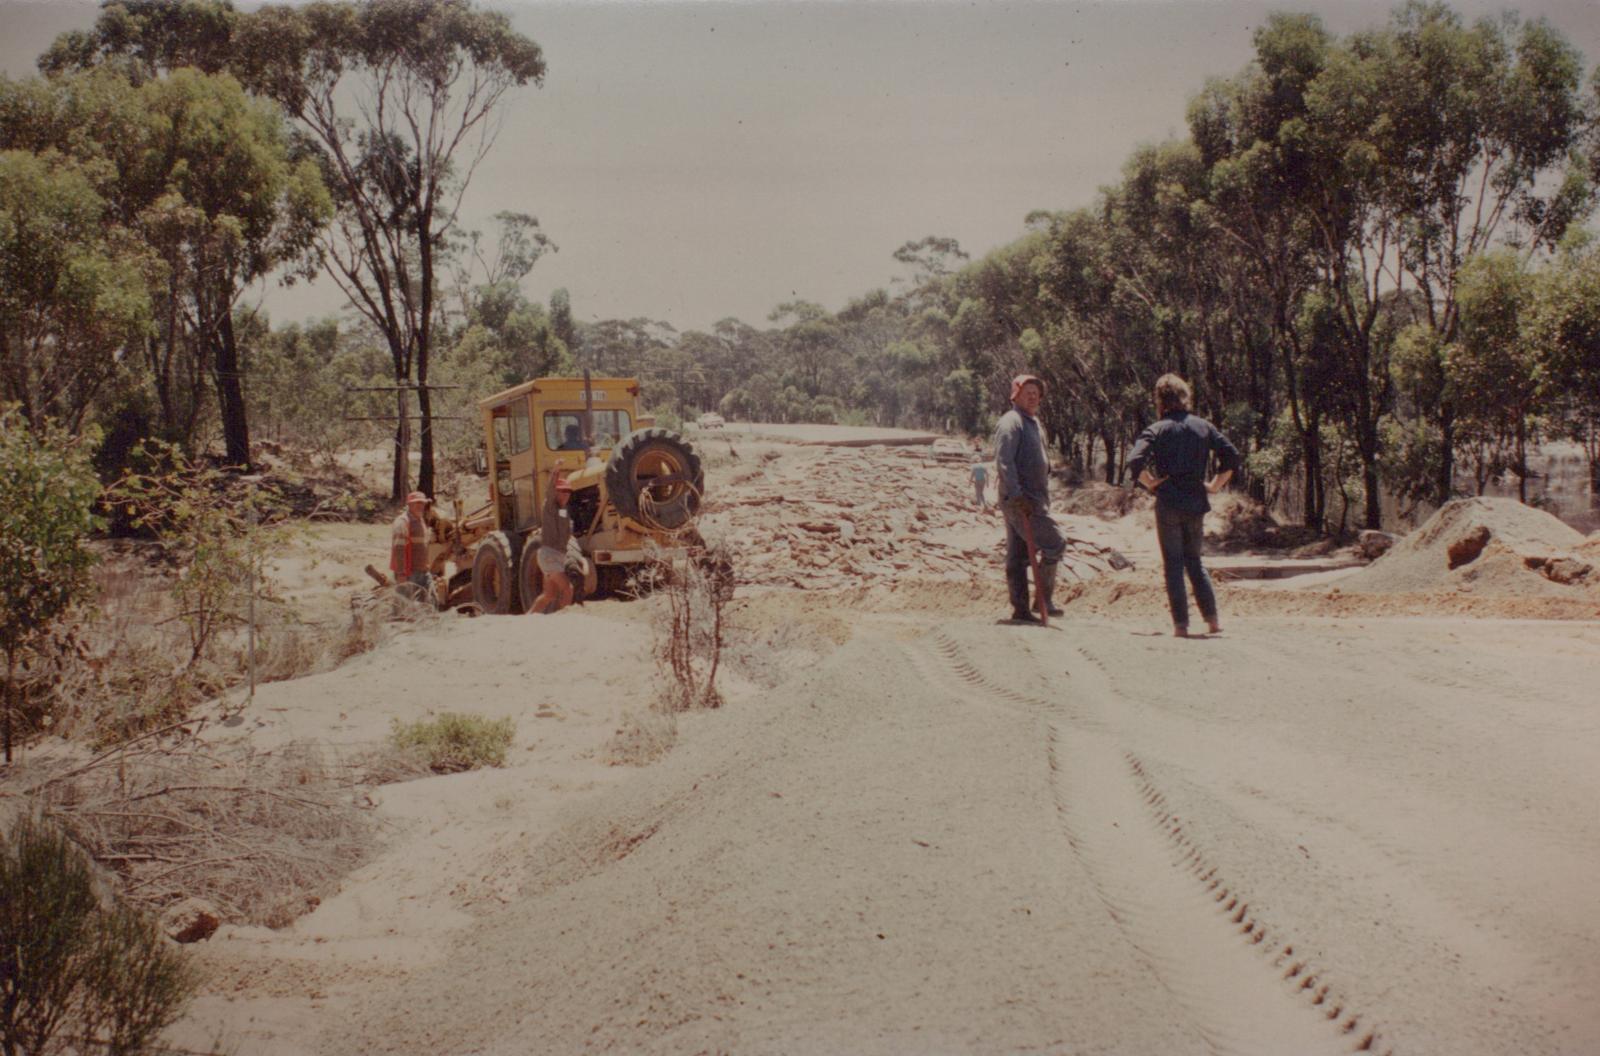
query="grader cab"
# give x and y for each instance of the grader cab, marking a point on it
(636, 491)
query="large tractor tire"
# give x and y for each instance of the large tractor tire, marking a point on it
(654, 477)
(494, 576)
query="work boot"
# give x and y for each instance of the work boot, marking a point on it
(1023, 616)
(1047, 589)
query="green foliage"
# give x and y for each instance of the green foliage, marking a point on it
(1304, 255)
(1412, 459)
(1494, 371)
(73, 968)
(453, 742)
(72, 290)
(1564, 322)
(206, 197)
(47, 495)
(666, 419)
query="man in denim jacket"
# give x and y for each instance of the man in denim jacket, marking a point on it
(1170, 458)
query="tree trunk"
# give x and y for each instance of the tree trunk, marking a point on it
(8, 699)
(425, 410)
(402, 443)
(1313, 475)
(1369, 481)
(1522, 458)
(230, 394)
(1446, 484)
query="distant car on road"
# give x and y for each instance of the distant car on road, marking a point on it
(710, 420)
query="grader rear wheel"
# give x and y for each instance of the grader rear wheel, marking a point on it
(494, 578)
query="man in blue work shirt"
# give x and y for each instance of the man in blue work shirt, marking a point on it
(1170, 458)
(1023, 473)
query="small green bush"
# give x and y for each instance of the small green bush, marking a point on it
(455, 742)
(72, 968)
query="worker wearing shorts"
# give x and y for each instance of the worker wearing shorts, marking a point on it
(555, 532)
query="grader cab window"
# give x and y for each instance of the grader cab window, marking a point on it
(563, 430)
(521, 428)
(512, 430)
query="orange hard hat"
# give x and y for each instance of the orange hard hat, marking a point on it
(1022, 379)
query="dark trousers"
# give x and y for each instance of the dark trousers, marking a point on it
(1180, 537)
(1047, 538)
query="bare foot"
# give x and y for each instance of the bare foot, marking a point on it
(1180, 632)
(1214, 627)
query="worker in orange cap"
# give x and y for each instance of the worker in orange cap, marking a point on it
(555, 531)
(408, 549)
(1023, 472)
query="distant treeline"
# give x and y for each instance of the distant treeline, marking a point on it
(1369, 254)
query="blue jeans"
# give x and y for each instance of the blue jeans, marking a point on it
(1180, 537)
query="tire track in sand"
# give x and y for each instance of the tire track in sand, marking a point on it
(1238, 980)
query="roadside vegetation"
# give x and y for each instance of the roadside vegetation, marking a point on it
(453, 742)
(167, 158)
(80, 975)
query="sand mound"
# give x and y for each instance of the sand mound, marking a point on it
(1485, 546)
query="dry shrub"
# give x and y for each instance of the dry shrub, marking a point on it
(691, 626)
(122, 677)
(643, 736)
(261, 835)
(387, 763)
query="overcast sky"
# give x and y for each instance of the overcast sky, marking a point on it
(700, 160)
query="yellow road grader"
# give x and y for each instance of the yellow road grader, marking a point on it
(636, 491)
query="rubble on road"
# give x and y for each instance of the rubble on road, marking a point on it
(823, 518)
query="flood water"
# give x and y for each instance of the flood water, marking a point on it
(1558, 483)
(1562, 486)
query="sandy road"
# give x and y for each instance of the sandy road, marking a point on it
(953, 836)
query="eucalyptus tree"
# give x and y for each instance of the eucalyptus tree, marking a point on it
(1476, 141)
(73, 295)
(1564, 324)
(931, 259)
(1263, 191)
(810, 339)
(1093, 345)
(401, 99)
(622, 346)
(1493, 366)
(209, 178)
(227, 205)
(479, 265)
(145, 37)
(997, 300)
